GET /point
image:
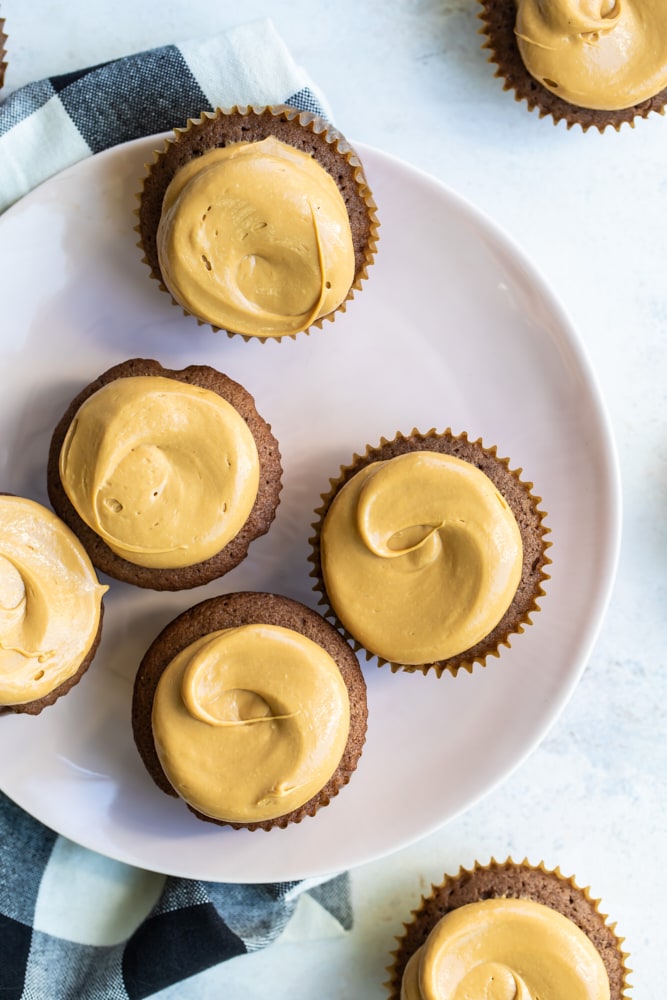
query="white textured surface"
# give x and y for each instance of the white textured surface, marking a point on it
(409, 77)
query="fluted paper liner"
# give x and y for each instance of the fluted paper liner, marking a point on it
(231, 611)
(3, 52)
(529, 517)
(302, 129)
(498, 18)
(514, 880)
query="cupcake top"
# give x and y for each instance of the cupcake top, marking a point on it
(255, 237)
(258, 221)
(50, 602)
(421, 556)
(164, 471)
(508, 929)
(589, 63)
(252, 709)
(165, 475)
(499, 948)
(250, 722)
(429, 551)
(606, 55)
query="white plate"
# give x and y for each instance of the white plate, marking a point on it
(454, 328)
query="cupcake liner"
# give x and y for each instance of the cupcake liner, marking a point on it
(498, 28)
(301, 129)
(515, 880)
(526, 510)
(230, 611)
(3, 52)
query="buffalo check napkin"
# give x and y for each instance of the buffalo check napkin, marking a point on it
(48, 125)
(73, 924)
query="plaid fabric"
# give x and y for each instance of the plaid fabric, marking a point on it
(48, 125)
(58, 943)
(66, 914)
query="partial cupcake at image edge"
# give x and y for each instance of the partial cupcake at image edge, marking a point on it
(591, 70)
(52, 607)
(429, 552)
(166, 476)
(3, 52)
(258, 221)
(252, 709)
(529, 927)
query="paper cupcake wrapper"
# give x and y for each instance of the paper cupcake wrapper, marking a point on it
(498, 17)
(358, 198)
(525, 602)
(3, 52)
(520, 880)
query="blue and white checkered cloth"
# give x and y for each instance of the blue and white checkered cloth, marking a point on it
(48, 125)
(73, 924)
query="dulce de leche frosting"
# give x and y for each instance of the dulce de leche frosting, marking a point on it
(250, 722)
(165, 472)
(50, 602)
(421, 556)
(255, 238)
(506, 949)
(599, 54)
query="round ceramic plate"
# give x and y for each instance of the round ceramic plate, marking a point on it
(454, 328)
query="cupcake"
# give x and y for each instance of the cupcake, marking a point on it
(50, 610)
(165, 476)
(592, 69)
(429, 552)
(258, 221)
(3, 52)
(252, 709)
(529, 931)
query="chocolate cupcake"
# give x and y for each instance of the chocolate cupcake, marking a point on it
(51, 619)
(592, 71)
(258, 221)
(3, 52)
(166, 476)
(429, 552)
(252, 709)
(529, 927)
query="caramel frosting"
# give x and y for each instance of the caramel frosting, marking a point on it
(506, 949)
(255, 238)
(165, 472)
(601, 54)
(50, 602)
(250, 722)
(421, 556)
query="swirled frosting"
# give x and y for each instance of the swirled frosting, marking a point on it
(166, 473)
(255, 238)
(250, 722)
(50, 601)
(599, 54)
(421, 556)
(506, 949)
